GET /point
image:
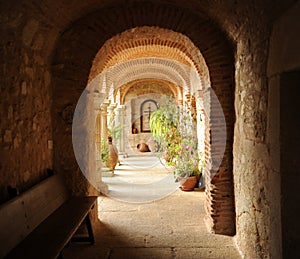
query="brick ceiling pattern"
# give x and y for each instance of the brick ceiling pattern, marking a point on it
(155, 68)
(148, 41)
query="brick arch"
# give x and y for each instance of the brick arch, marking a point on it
(149, 41)
(71, 68)
(168, 87)
(153, 67)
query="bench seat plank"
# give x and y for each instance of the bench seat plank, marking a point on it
(54, 233)
(22, 214)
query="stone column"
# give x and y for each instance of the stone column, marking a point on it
(97, 105)
(83, 138)
(98, 99)
(120, 112)
(111, 114)
(104, 106)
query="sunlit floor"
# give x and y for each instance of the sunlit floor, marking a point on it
(170, 227)
(141, 179)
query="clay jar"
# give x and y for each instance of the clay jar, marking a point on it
(143, 147)
(112, 154)
(188, 183)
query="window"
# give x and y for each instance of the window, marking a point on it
(147, 107)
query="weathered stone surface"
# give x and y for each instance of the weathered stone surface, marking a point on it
(172, 227)
(29, 30)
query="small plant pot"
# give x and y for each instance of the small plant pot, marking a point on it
(188, 183)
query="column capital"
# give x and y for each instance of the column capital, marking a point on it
(111, 108)
(104, 106)
(106, 101)
(121, 106)
(113, 105)
(120, 109)
(98, 99)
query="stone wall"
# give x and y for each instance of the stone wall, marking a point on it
(26, 127)
(256, 178)
(257, 188)
(251, 158)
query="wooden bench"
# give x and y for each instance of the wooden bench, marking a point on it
(40, 222)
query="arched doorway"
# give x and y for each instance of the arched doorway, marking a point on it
(221, 217)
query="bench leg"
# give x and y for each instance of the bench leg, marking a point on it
(90, 238)
(90, 229)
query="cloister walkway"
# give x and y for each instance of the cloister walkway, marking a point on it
(170, 227)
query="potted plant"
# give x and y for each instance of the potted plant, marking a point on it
(164, 129)
(187, 169)
(189, 161)
(174, 129)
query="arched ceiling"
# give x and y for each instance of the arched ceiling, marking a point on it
(230, 15)
(149, 53)
(148, 68)
(71, 67)
(149, 41)
(145, 86)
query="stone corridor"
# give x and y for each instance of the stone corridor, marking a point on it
(234, 64)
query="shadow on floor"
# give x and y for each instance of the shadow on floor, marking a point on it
(172, 227)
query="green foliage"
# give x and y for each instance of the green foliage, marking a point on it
(114, 130)
(188, 159)
(164, 128)
(174, 129)
(188, 162)
(104, 150)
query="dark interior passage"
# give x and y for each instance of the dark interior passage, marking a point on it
(290, 168)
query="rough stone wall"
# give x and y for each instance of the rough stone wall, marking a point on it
(26, 126)
(252, 172)
(254, 180)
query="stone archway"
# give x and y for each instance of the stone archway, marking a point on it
(217, 52)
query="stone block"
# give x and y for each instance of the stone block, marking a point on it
(7, 136)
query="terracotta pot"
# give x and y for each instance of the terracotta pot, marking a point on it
(188, 183)
(112, 155)
(134, 131)
(143, 147)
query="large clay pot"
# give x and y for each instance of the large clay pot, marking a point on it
(143, 147)
(112, 155)
(188, 183)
